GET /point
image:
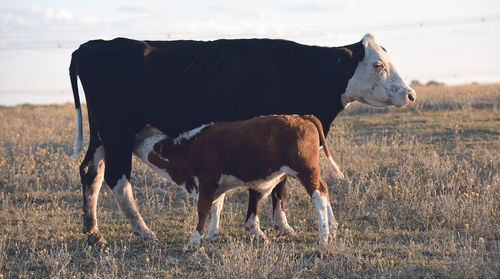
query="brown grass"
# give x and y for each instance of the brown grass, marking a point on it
(421, 199)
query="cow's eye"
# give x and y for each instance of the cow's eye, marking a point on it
(379, 66)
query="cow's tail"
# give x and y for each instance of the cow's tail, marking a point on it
(322, 142)
(78, 144)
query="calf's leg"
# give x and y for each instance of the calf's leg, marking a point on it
(252, 223)
(279, 217)
(204, 205)
(332, 223)
(320, 199)
(213, 230)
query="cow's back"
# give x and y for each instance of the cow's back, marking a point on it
(179, 85)
(230, 80)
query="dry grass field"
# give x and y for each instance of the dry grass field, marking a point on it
(421, 199)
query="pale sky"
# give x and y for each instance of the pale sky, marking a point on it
(453, 41)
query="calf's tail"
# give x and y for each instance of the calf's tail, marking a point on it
(322, 142)
(78, 144)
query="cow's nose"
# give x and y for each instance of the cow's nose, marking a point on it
(412, 95)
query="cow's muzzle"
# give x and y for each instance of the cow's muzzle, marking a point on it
(411, 96)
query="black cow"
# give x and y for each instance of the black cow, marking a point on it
(177, 86)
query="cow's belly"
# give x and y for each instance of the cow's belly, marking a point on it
(263, 185)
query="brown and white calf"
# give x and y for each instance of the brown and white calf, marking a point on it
(257, 153)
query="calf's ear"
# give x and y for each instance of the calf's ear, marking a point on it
(158, 148)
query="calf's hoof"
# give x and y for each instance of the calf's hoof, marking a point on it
(323, 241)
(212, 236)
(333, 234)
(196, 240)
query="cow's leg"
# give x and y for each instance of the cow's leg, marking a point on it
(92, 175)
(204, 205)
(320, 199)
(117, 176)
(213, 230)
(252, 223)
(332, 223)
(279, 217)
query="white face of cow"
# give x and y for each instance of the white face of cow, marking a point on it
(376, 81)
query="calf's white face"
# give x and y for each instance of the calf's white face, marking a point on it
(376, 81)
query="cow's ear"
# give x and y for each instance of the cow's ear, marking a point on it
(366, 39)
(344, 54)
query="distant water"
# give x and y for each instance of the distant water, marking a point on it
(36, 97)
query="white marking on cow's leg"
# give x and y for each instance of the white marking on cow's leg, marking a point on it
(213, 230)
(125, 199)
(280, 222)
(332, 223)
(98, 164)
(253, 226)
(197, 237)
(321, 204)
(91, 194)
(336, 168)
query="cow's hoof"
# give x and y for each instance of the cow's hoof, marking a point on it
(96, 238)
(146, 235)
(151, 236)
(258, 234)
(339, 175)
(286, 231)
